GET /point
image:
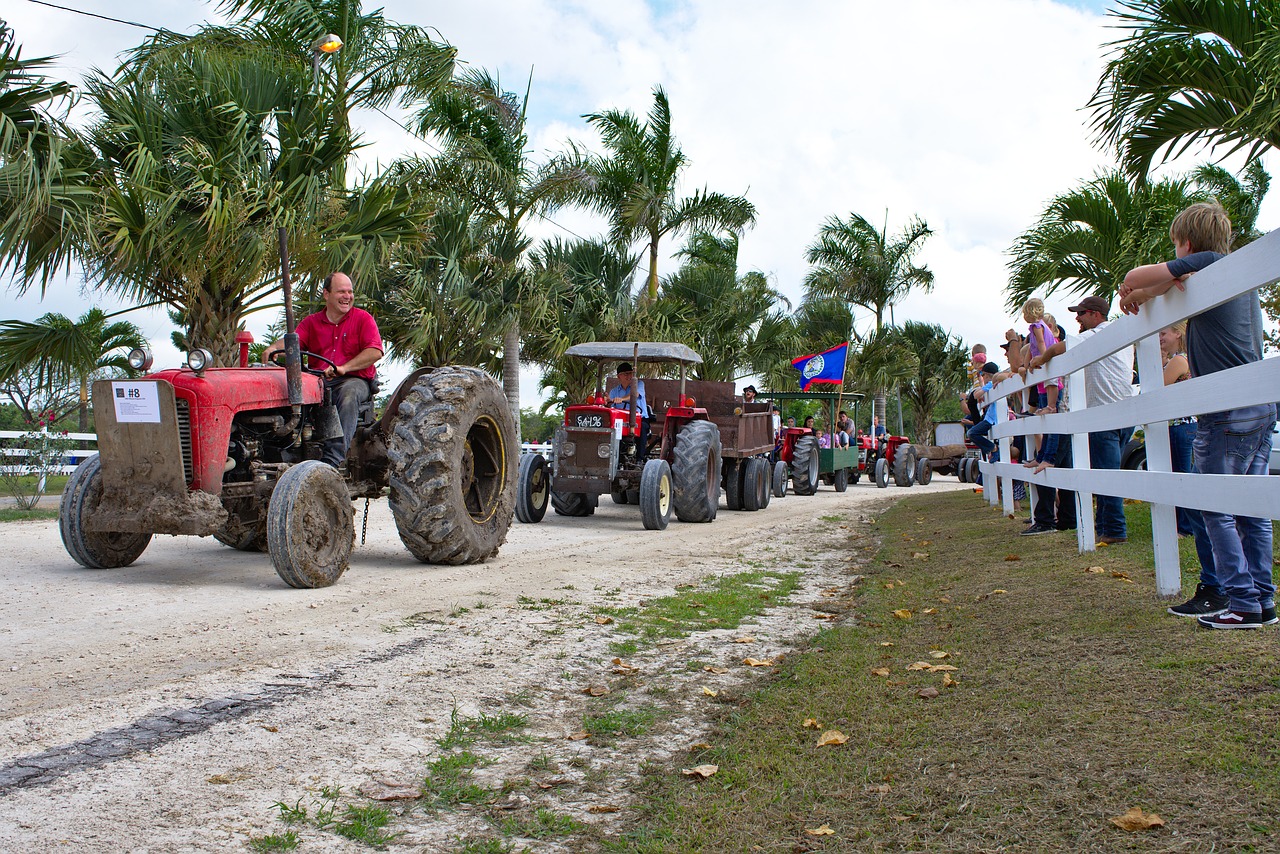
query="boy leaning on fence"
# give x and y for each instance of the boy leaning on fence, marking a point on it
(1236, 441)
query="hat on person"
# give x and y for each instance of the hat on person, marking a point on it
(751, 389)
(625, 368)
(1094, 303)
(990, 368)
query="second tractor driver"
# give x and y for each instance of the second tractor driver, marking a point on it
(620, 398)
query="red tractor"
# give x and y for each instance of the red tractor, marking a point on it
(695, 440)
(233, 452)
(897, 456)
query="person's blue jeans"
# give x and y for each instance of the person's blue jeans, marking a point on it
(1191, 522)
(349, 393)
(1104, 453)
(977, 434)
(1238, 441)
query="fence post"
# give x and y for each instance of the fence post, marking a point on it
(1080, 459)
(44, 445)
(1164, 525)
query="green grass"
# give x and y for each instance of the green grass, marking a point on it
(286, 841)
(483, 845)
(501, 728)
(13, 514)
(543, 824)
(449, 782)
(1075, 698)
(720, 603)
(619, 722)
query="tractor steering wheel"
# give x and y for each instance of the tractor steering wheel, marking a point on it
(277, 359)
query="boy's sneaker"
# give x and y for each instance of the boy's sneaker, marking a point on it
(1205, 601)
(1037, 529)
(1231, 620)
(1269, 616)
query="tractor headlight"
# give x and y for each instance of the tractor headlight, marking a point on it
(199, 359)
(604, 451)
(140, 359)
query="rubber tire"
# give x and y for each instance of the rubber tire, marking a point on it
(971, 470)
(962, 469)
(239, 537)
(572, 503)
(781, 479)
(804, 465)
(311, 527)
(619, 496)
(757, 488)
(840, 480)
(855, 474)
(733, 472)
(695, 471)
(533, 489)
(924, 472)
(633, 495)
(93, 549)
(453, 461)
(904, 465)
(656, 495)
(882, 473)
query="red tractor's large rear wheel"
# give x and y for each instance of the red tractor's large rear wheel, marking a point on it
(695, 472)
(804, 465)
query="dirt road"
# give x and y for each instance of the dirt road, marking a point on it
(168, 706)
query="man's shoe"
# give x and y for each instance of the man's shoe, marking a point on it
(1112, 541)
(1231, 620)
(1037, 529)
(1065, 527)
(1269, 616)
(1203, 601)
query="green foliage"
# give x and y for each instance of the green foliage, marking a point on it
(619, 722)
(500, 728)
(286, 841)
(28, 462)
(940, 373)
(537, 426)
(449, 782)
(543, 824)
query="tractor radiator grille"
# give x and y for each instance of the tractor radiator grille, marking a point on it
(184, 439)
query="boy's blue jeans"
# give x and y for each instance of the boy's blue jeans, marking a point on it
(977, 434)
(1104, 453)
(1181, 437)
(1238, 441)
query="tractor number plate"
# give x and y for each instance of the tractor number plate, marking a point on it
(588, 421)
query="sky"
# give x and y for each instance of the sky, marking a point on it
(970, 115)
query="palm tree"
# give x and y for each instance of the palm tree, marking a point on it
(636, 184)
(1190, 72)
(940, 372)
(856, 262)
(884, 361)
(67, 353)
(487, 160)
(1087, 239)
(724, 317)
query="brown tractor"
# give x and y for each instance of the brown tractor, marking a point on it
(697, 438)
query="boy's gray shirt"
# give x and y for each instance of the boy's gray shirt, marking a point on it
(1224, 337)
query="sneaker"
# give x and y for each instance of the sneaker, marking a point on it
(1231, 620)
(1037, 529)
(1203, 601)
(1269, 616)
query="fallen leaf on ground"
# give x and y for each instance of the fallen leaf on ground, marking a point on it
(595, 690)
(1123, 576)
(579, 736)
(948, 682)
(821, 830)
(902, 614)
(925, 542)
(927, 693)
(1096, 570)
(920, 555)
(929, 611)
(889, 586)
(599, 808)
(377, 790)
(902, 817)
(946, 600)
(898, 565)
(713, 669)
(604, 621)
(998, 590)
(702, 745)
(920, 665)
(832, 737)
(703, 771)
(937, 653)
(1012, 557)
(757, 662)
(745, 639)
(944, 668)
(811, 723)
(622, 665)
(820, 616)
(879, 671)
(881, 789)
(708, 692)
(1136, 819)
(886, 643)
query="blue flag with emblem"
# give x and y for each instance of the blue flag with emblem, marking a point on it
(824, 367)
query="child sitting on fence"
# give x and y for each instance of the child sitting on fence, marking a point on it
(1235, 441)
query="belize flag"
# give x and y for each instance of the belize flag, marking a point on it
(824, 367)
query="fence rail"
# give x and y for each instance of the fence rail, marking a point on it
(70, 459)
(1254, 266)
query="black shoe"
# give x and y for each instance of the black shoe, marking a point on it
(1064, 527)
(1037, 529)
(1231, 620)
(1204, 601)
(1269, 616)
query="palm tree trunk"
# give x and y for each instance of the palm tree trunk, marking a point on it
(653, 269)
(879, 405)
(511, 371)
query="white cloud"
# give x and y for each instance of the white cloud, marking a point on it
(969, 114)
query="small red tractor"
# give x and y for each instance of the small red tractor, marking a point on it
(697, 440)
(233, 452)
(897, 456)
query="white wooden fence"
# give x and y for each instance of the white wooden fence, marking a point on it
(70, 459)
(1254, 266)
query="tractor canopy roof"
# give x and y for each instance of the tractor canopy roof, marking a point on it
(625, 351)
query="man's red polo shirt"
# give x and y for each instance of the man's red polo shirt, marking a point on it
(342, 341)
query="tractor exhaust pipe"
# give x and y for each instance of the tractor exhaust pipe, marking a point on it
(292, 350)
